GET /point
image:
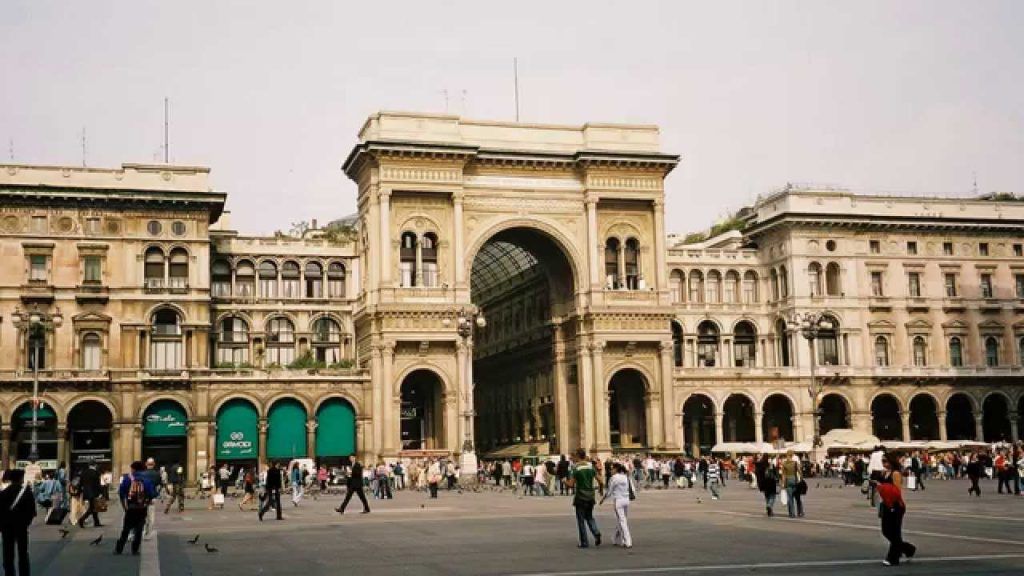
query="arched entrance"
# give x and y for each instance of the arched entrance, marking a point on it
(777, 421)
(627, 412)
(698, 424)
(165, 434)
(885, 418)
(286, 431)
(924, 418)
(335, 431)
(738, 419)
(995, 418)
(422, 411)
(525, 389)
(238, 433)
(89, 441)
(835, 413)
(46, 435)
(960, 418)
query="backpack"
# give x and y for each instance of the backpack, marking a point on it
(136, 499)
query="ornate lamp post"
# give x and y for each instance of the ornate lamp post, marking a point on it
(467, 319)
(32, 321)
(809, 324)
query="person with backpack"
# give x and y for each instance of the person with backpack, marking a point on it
(136, 493)
(17, 510)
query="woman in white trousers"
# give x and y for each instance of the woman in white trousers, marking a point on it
(618, 490)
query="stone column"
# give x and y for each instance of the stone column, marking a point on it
(941, 415)
(668, 426)
(979, 428)
(655, 428)
(905, 422)
(460, 265)
(798, 428)
(758, 426)
(660, 267)
(389, 417)
(602, 434)
(592, 243)
(262, 426)
(719, 426)
(385, 237)
(311, 438)
(375, 438)
(190, 452)
(622, 264)
(1014, 433)
(586, 390)
(62, 443)
(5, 446)
(561, 393)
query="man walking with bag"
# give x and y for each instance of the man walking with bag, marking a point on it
(17, 510)
(354, 485)
(272, 497)
(136, 493)
(89, 483)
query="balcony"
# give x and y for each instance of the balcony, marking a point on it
(953, 304)
(879, 304)
(39, 290)
(92, 293)
(990, 306)
(917, 304)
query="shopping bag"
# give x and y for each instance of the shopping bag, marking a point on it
(56, 516)
(218, 499)
(911, 482)
(783, 497)
(101, 504)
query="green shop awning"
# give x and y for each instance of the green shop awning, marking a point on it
(335, 429)
(286, 430)
(165, 419)
(237, 435)
(43, 413)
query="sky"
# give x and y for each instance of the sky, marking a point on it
(909, 97)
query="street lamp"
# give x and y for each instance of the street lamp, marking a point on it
(32, 321)
(809, 324)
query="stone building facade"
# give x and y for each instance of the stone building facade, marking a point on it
(506, 287)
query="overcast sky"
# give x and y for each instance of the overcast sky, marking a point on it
(908, 97)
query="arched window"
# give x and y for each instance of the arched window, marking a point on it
(1020, 350)
(165, 349)
(783, 282)
(675, 286)
(677, 343)
(713, 288)
(220, 279)
(407, 259)
(280, 341)
(245, 279)
(336, 280)
(178, 273)
(828, 343)
(611, 264)
(750, 287)
(232, 342)
(920, 351)
(744, 340)
(731, 292)
(268, 279)
(327, 340)
(782, 338)
(154, 268)
(707, 344)
(314, 280)
(774, 278)
(881, 351)
(290, 280)
(92, 352)
(632, 263)
(956, 351)
(991, 351)
(429, 259)
(696, 286)
(814, 278)
(832, 285)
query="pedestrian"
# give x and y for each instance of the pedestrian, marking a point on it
(89, 482)
(620, 493)
(136, 493)
(153, 475)
(583, 480)
(791, 477)
(874, 470)
(433, 477)
(272, 492)
(767, 477)
(526, 478)
(321, 477)
(917, 469)
(702, 471)
(892, 511)
(1002, 471)
(176, 487)
(224, 479)
(974, 474)
(249, 489)
(17, 510)
(562, 471)
(713, 477)
(354, 486)
(295, 477)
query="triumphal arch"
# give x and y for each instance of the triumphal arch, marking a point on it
(515, 296)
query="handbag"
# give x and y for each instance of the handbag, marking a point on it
(218, 499)
(783, 497)
(101, 504)
(801, 487)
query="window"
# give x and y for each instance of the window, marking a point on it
(744, 345)
(153, 269)
(947, 248)
(1020, 350)
(233, 342)
(875, 246)
(830, 245)
(178, 228)
(774, 278)
(92, 225)
(814, 277)
(991, 351)
(154, 228)
(428, 255)
(314, 280)
(407, 259)
(611, 263)
(91, 270)
(632, 262)
(92, 352)
(178, 271)
(290, 280)
(245, 279)
(828, 343)
(677, 344)
(36, 347)
(912, 248)
(280, 342)
(696, 286)
(675, 286)
(327, 341)
(165, 347)
(713, 288)
(1018, 250)
(983, 248)
(914, 284)
(832, 283)
(220, 279)
(749, 287)
(956, 352)
(877, 284)
(950, 281)
(783, 282)
(986, 286)
(39, 224)
(268, 279)
(1019, 281)
(336, 279)
(920, 351)
(707, 344)
(881, 351)
(37, 268)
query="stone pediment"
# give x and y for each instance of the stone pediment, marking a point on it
(91, 317)
(881, 326)
(918, 325)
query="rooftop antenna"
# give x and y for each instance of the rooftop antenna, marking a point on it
(515, 73)
(166, 147)
(974, 186)
(83, 147)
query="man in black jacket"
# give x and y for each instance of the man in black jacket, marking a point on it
(89, 483)
(273, 491)
(17, 510)
(354, 485)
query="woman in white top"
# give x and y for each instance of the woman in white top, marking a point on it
(618, 491)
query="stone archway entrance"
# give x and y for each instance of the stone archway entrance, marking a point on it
(627, 411)
(89, 436)
(699, 427)
(422, 411)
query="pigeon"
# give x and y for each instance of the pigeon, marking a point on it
(97, 541)
(64, 533)
(210, 549)
(699, 501)
(194, 540)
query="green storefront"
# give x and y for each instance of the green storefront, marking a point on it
(335, 430)
(165, 434)
(237, 432)
(47, 434)
(286, 431)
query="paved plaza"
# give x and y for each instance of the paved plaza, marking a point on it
(674, 532)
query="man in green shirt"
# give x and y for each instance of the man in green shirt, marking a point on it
(583, 480)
